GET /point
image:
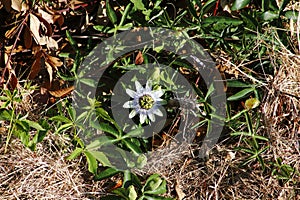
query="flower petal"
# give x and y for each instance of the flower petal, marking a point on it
(128, 104)
(138, 87)
(151, 117)
(142, 118)
(131, 93)
(157, 112)
(157, 93)
(161, 101)
(148, 86)
(132, 114)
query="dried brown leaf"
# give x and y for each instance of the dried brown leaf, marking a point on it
(43, 90)
(7, 5)
(45, 15)
(180, 193)
(50, 71)
(53, 61)
(59, 19)
(35, 27)
(62, 92)
(56, 16)
(36, 66)
(12, 78)
(11, 32)
(139, 58)
(36, 23)
(27, 38)
(50, 42)
(18, 5)
(45, 26)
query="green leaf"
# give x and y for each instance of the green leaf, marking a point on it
(211, 89)
(75, 153)
(72, 113)
(222, 20)
(269, 15)
(127, 181)
(251, 103)
(60, 119)
(138, 132)
(192, 9)
(122, 192)
(71, 40)
(151, 178)
(132, 146)
(284, 4)
(106, 173)
(240, 94)
(105, 127)
(250, 21)
(141, 161)
(99, 27)
(155, 185)
(207, 6)
(132, 193)
(111, 13)
(157, 198)
(237, 84)
(5, 115)
(125, 27)
(241, 133)
(104, 115)
(23, 136)
(138, 4)
(292, 14)
(88, 81)
(161, 189)
(125, 13)
(64, 127)
(100, 141)
(38, 137)
(34, 125)
(92, 162)
(265, 5)
(101, 157)
(239, 4)
(23, 124)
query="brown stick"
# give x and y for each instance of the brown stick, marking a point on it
(20, 28)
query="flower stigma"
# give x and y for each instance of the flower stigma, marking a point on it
(146, 102)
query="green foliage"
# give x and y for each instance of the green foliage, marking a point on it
(254, 144)
(132, 188)
(283, 172)
(114, 20)
(18, 124)
(112, 135)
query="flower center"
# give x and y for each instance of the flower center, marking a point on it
(146, 102)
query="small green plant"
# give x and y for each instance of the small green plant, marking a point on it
(133, 189)
(19, 125)
(283, 172)
(114, 20)
(253, 143)
(112, 135)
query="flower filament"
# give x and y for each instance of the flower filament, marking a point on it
(146, 102)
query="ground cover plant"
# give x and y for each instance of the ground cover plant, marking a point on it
(79, 122)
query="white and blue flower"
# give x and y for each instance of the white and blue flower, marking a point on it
(145, 102)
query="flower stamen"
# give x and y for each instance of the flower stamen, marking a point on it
(146, 102)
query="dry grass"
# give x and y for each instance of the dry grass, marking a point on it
(44, 174)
